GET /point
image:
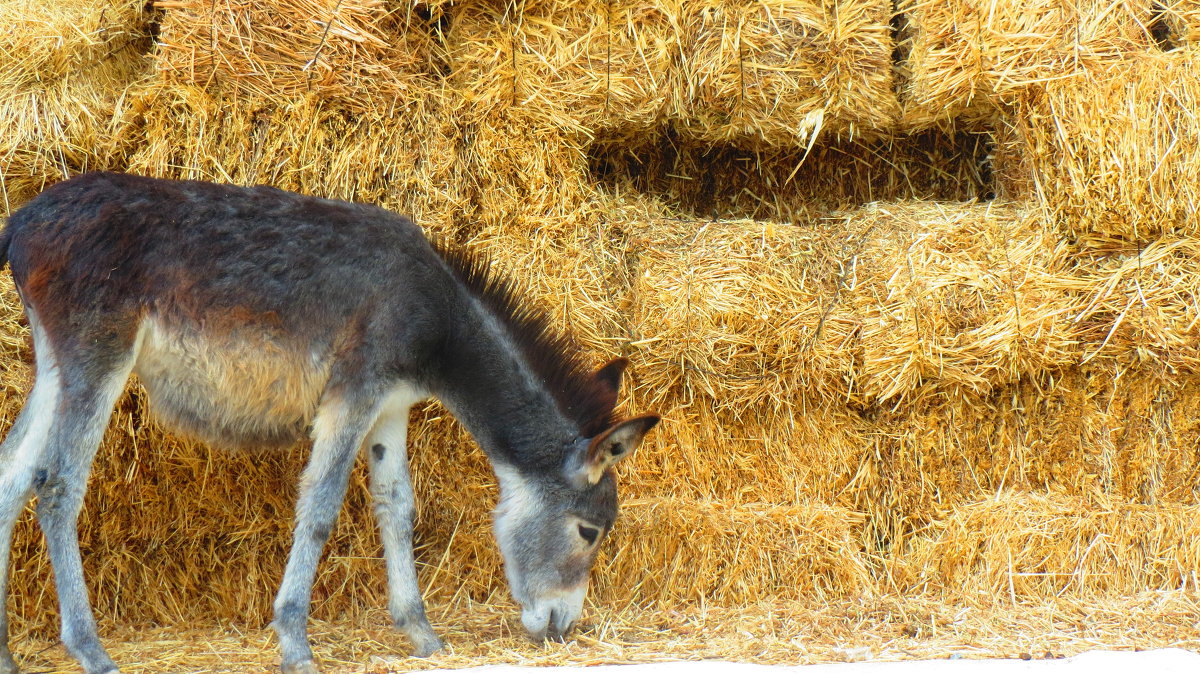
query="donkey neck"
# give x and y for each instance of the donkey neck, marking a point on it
(496, 394)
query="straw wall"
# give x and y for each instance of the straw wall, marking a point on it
(966, 57)
(874, 378)
(65, 68)
(1116, 150)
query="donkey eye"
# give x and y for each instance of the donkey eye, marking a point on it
(589, 534)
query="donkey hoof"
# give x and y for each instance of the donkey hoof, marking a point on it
(306, 667)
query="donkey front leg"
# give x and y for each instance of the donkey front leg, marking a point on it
(338, 432)
(392, 492)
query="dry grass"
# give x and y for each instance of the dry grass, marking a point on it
(781, 73)
(364, 53)
(586, 67)
(886, 628)
(1115, 151)
(967, 57)
(65, 70)
(947, 401)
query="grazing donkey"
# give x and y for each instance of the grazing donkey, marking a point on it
(248, 313)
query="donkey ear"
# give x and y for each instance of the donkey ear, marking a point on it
(610, 374)
(615, 444)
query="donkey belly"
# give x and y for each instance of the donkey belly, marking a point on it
(242, 389)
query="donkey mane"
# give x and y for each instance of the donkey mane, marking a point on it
(554, 356)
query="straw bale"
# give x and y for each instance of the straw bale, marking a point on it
(966, 58)
(865, 309)
(781, 72)
(65, 68)
(599, 65)
(1019, 545)
(1116, 153)
(48, 40)
(366, 53)
(401, 156)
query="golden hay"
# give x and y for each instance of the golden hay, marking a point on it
(781, 72)
(65, 68)
(400, 157)
(366, 53)
(966, 57)
(48, 40)
(592, 66)
(1115, 152)
(1022, 545)
(890, 628)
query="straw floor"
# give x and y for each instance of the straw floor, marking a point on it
(881, 629)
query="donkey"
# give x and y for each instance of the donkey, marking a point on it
(251, 315)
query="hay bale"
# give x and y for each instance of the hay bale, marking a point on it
(365, 53)
(598, 66)
(65, 70)
(401, 157)
(779, 73)
(966, 58)
(1021, 545)
(49, 40)
(1115, 153)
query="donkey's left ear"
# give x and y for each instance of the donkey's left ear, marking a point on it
(615, 444)
(610, 374)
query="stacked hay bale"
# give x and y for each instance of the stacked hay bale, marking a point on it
(736, 194)
(65, 68)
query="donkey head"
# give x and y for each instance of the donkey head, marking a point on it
(550, 526)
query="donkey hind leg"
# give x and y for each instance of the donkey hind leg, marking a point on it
(20, 455)
(85, 407)
(392, 492)
(338, 432)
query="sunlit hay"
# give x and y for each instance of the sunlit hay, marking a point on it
(1115, 153)
(868, 307)
(966, 57)
(65, 69)
(1021, 545)
(782, 73)
(520, 174)
(960, 299)
(672, 551)
(400, 157)
(592, 66)
(365, 53)
(785, 632)
(48, 40)
(1139, 304)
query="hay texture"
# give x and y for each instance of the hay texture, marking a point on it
(366, 53)
(965, 58)
(781, 73)
(597, 66)
(1115, 152)
(862, 361)
(65, 68)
